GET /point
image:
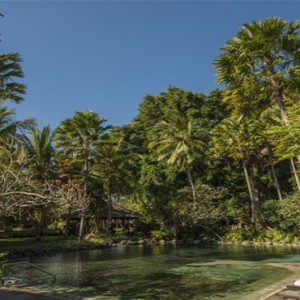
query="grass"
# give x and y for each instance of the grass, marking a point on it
(18, 247)
(9, 243)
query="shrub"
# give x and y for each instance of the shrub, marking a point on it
(239, 235)
(275, 235)
(162, 234)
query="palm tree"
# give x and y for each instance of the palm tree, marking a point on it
(76, 139)
(40, 151)
(9, 126)
(7, 123)
(231, 137)
(40, 161)
(177, 142)
(10, 69)
(113, 168)
(258, 66)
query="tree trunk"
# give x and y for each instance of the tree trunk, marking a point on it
(292, 160)
(188, 170)
(253, 217)
(85, 198)
(255, 190)
(109, 208)
(176, 228)
(39, 219)
(277, 95)
(277, 186)
(294, 170)
(82, 226)
(68, 222)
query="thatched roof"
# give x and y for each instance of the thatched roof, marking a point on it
(117, 212)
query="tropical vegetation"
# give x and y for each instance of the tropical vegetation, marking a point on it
(219, 166)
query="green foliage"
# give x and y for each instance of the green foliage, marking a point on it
(269, 234)
(10, 69)
(261, 58)
(163, 234)
(3, 255)
(40, 151)
(275, 235)
(188, 162)
(289, 213)
(96, 238)
(239, 235)
(205, 209)
(270, 212)
(286, 137)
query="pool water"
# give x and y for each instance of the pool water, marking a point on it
(166, 271)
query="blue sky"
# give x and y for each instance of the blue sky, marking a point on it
(107, 55)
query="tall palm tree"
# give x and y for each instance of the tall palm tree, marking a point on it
(231, 137)
(10, 69)
(258, 66)
(76, 139)
(177, 142)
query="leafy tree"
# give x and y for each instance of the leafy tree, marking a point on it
(287, 137)
(207, 208)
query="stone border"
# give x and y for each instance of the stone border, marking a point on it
(277, 287)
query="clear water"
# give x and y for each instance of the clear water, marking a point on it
(166, 272)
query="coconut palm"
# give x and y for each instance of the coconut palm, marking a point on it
(177, 142)
(10, 69)
(260, 67)
(76, 139)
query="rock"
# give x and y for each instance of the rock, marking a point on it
(8, 281)
(131, 242)
(246, 243)
(297, 283)
(288, 294)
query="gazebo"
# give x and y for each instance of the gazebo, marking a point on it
(121, 217)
